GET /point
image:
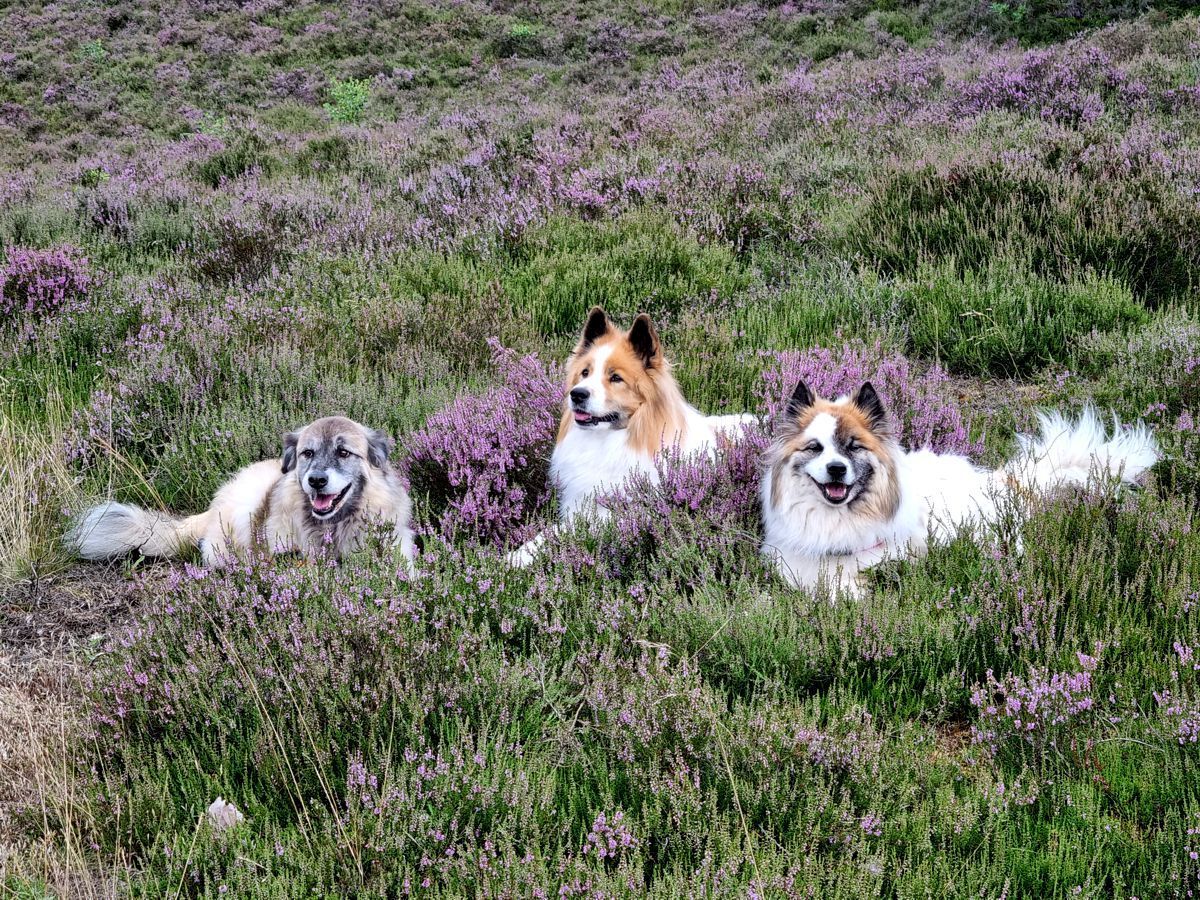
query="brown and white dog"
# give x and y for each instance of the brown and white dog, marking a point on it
(839, 493)
(333, 478)
(623, 407)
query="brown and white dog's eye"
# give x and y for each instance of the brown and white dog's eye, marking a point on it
(615, 378)
(853, 445)
(813, 447)
(343, 453)
(584, 373)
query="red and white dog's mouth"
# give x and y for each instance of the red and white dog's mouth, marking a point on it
(324, 504)
(587, 419)
(834, 491)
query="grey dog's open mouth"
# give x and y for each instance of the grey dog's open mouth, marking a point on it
(324, 504)
(834, 492)
(587, 419)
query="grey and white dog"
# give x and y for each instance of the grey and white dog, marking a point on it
(333, 478)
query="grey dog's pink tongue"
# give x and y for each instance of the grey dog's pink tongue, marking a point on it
(322, 502)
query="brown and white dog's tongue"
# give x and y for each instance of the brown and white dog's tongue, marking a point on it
(323, 502)
(581, 416)
(836, 491)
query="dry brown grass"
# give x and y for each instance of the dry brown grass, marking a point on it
(35, 476)
(48, 628)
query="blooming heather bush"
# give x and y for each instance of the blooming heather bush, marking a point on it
(919, 402)
(1037, 710)
(1179, 705)
(483, 459)
(703, 503)
(40, 282)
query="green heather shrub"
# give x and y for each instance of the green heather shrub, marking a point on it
(1139, 231)
(348, 100)
(1154, 374)
(1046, 21)
(639, 263)
(1004, 322)
(247, 151)
(325, 155)
(519, 39)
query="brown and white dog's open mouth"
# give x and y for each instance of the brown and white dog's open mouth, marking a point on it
(834, 492)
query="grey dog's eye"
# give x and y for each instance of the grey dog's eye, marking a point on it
(307, 454)
(343, 453)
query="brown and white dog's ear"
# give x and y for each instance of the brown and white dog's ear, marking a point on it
(644, 340)
(802, 398)
(598, 325)
(379, 447)
(867, 400)
(290, 440)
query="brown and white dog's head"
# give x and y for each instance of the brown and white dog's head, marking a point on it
(621, 379)
(839, 453)
(334, 459)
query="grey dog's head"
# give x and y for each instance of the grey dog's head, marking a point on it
(333, 458)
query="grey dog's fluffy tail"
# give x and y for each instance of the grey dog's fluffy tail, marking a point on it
(112, 530)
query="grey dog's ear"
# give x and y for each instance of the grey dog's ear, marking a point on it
(379, 445)
(290, 440)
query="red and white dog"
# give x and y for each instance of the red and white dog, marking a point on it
(623, 407)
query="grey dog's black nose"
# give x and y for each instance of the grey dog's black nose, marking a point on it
(579, 395)
(836, 469)
(316, 482)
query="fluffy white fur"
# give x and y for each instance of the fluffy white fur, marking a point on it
(808, 539)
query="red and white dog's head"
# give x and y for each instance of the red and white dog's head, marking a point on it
(621, 379)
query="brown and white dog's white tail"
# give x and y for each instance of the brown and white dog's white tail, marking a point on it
(1066, 452)
(112, 530)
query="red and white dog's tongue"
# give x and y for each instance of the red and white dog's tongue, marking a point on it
(836, 491)
(323, 502)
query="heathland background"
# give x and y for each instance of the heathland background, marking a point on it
(219, 220)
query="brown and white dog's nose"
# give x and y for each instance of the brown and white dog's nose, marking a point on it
(580, 395)
(836, 470)
(318, 482)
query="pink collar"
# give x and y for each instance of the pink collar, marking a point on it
(879, 546)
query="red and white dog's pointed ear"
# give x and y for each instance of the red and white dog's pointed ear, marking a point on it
(598, 325)
(644, 340)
